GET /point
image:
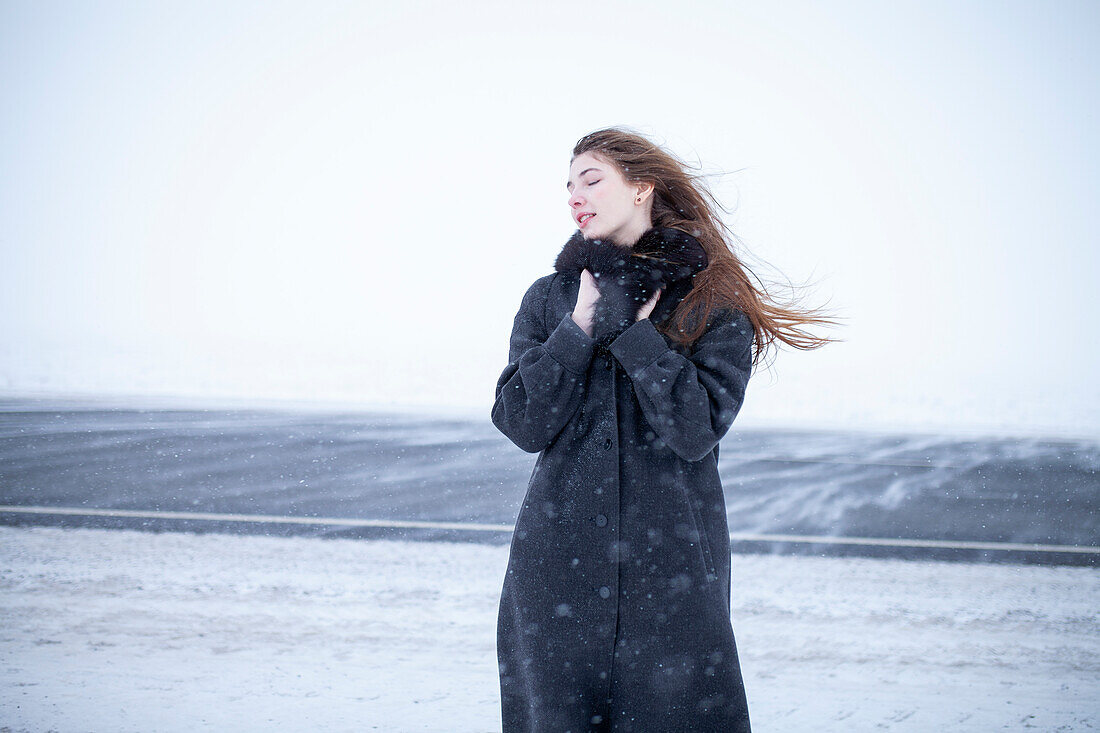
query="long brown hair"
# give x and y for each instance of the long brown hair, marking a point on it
(682, 200)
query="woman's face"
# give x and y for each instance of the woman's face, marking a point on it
(604, 204)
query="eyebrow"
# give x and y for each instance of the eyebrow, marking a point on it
(569, 185)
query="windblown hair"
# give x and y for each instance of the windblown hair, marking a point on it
(683, 201)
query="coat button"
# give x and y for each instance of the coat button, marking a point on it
(605, 592)
(601, 520)
(607, 444)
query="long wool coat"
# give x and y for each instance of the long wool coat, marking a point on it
(615, 610)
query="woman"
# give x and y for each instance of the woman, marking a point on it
(626, 367)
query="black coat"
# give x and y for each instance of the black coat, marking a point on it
(615, 609)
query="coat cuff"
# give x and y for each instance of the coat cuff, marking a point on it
(571, 346)
(638, 346)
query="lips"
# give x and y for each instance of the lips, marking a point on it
(583, 218)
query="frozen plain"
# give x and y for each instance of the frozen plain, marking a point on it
(121, 630)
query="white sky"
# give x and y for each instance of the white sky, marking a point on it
(345, 201)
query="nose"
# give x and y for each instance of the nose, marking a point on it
(575, 200)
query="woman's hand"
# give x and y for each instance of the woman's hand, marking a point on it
(584, 312)
(650, 304)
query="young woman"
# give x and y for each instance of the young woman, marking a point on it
(626, 366)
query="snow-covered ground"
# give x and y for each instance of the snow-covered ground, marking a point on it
(109, 630)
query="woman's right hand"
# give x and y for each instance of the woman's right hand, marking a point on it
(584, 312)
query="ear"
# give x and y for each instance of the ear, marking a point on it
(644, 191)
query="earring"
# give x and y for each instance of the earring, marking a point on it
(638, 200)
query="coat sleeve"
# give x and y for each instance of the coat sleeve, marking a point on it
(690, 402)
(544, 382)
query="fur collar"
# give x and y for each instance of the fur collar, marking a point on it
(664, 259)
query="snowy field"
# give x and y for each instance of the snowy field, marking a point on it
(118, 630)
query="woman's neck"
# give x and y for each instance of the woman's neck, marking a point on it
(630, 234)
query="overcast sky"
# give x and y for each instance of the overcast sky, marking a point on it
(346, 201)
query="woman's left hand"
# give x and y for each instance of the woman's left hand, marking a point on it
(650, 304)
